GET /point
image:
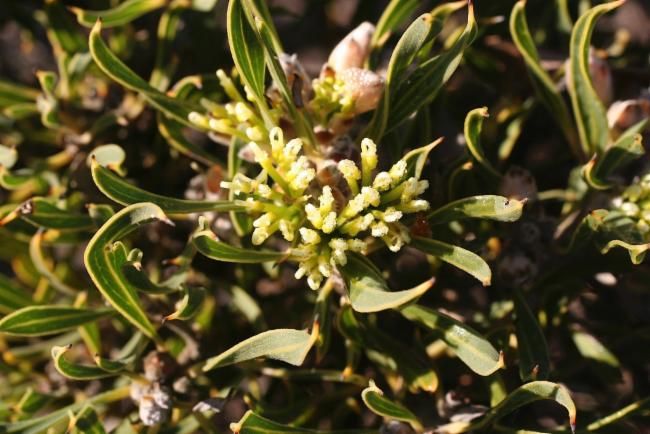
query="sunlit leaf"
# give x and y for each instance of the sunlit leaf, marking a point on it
(588, 109)
(369, 292)
(487, 207)
(375, 400)
(125, 193)
(118, 71)
(546, 90)
(473, 127)
(286, 345)
(208, 245)
(457, 256)
(48, 320)
(104, 268)
(76, 371)
(472, 348)
(189, 305)
(252, 423)
(526, 394)
(123, 13)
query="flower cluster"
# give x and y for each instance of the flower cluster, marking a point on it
(237, 118)
(635, 204)
(321, 222)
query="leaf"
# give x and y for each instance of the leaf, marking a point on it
(488, 207)
(87, 422)
(421, 31)
(118, 71)
(286, 345)
(393, 355)
(252, 423)
(375, 400)
(48, 320)
(14, 93)
(42, 213)
(629, 410)
(247, 52)
(636, 251)
(473, 126)
(473, 349)
(43, 268)
(588, 110)
(12, 297)
(417, 158)
(104, 268)
(62, 31)
(75, 371)
(545, 89)
(125, 193)
(457, 256)
(207, 244)
(368, 290)
(534, 361)
(171, 130)
(530, 392)
(395, 13)
(124, 13)
(626, 149)
(592, 349)
(429, 77)
(189, 305)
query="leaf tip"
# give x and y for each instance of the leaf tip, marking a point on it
(502, 362)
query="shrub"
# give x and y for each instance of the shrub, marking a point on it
(289, 247)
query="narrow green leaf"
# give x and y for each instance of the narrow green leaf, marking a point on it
(422, 31)
(392, 354)
(588, 110)
(62, 30)
(637, 252)
(473, 126)
(87, 422)
(124, 13)
(628, 410)
(252, 423)
(105, 269)
(125, 193)
(118, 71)
(417, 158)
(429, 77)
(487, 207)
(368, 291)
(12, 297)
(76, 371)
(626, 149)
(395, 13)
(526, 394)
(457, 256)
(473, 349)
(31, 402)
(592, 349)
(41, 265)
(247, 52)
(171, 130)
(48, 320)
(189, 305)
(42, 213)
(208, 245)
(287, 345)
(13, 93)
(546, 90)
(375, 400)
(534, 361)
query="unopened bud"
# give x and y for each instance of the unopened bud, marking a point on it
(353, 50)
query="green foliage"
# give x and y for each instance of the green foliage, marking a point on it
(293, 248)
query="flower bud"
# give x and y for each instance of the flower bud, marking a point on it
(623, 114)
(353, 50)
(364, 87)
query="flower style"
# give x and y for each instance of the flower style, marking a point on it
(321, 227)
